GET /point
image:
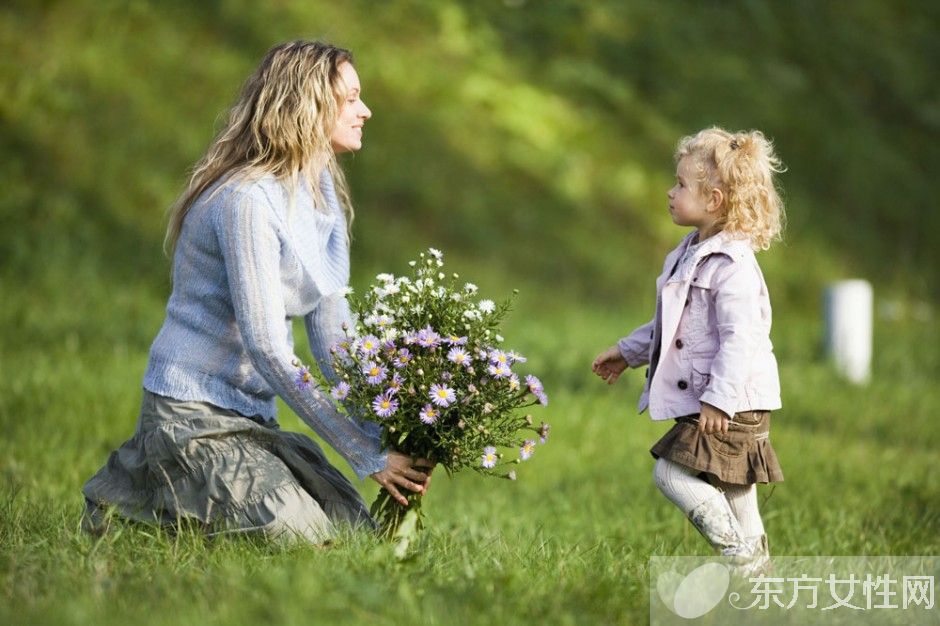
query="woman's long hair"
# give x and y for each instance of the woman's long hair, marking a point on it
(280, 125)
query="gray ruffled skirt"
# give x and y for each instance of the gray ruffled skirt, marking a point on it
(194, 462)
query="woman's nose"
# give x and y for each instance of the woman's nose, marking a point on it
(366, 113)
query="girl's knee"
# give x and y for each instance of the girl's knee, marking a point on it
(664, 473)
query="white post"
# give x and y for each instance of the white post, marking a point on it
(849, 306)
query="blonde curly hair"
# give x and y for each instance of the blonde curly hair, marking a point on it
(280, 125)
(742, 166)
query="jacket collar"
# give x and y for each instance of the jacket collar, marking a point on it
(732, 246)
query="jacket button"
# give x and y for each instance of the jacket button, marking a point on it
(679, 343)
(683, 385)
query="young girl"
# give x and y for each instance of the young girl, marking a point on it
(711, 364)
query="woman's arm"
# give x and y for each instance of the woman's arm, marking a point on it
(324, 327)
(247, 232)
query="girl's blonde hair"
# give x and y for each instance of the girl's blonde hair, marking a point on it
(742, 165)
(280, 125)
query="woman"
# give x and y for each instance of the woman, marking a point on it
(259, 237)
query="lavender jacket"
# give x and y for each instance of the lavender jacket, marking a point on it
(710, 338)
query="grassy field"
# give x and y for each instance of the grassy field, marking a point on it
(569, 540)
(533, 143)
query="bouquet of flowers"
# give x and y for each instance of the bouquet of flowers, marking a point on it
(426, 360)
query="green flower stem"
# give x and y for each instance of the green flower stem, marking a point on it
(388, 513)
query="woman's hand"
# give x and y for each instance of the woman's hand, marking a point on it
(712, 420)
(609, 364)
(403, 471)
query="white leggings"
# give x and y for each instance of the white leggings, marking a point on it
(686, 490)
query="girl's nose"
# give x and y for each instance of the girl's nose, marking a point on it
(366, 113)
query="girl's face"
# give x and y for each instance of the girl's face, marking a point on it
(347, 134)
(687, 205)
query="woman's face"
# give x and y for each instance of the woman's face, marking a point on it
(347, 135)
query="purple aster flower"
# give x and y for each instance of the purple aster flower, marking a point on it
(489, 457)
(527, 449)
(515, 357)
(369, 345)
(395, 384)
(410, 338)
(498, 357)
(442, 395)
(447, 376)
(514, 382)
(454, 340)
(340, 391)
(543, 432)
(429, 414)
(304, 378)
(341, 347)
(403, 359)
(498, 370)
(534, 384)
(459, 356)
(384, 405)
(375, 372)
(427, 338)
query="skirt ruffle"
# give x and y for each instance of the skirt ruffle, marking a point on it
(742, 456)
(200, 463)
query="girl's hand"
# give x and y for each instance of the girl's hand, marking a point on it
(403, 471)
(712, 420)
(609, 364)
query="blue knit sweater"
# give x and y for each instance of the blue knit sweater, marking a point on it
(247, 261)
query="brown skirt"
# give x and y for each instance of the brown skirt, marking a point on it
(741, 456)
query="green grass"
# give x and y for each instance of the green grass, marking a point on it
(569, 540)
(532, 142)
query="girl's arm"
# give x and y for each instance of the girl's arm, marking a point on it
(737, 288)
(635, 347)
(631, 351)
(247, 232)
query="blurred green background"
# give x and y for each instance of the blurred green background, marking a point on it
(532, 142)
